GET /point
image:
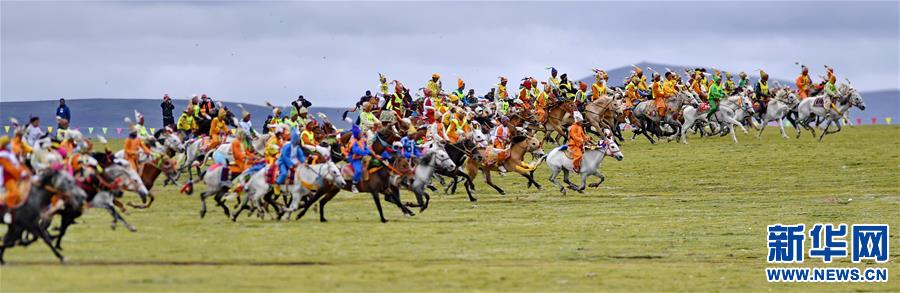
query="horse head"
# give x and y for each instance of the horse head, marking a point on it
(333, 174)
(442, 160)
(612, 148)
(127, 178)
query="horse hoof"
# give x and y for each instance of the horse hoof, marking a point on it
(384, 221)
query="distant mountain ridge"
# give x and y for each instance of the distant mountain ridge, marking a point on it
(618, 75)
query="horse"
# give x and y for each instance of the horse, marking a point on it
(378, 182)
(28, 216)
(519, 146)
(458, 153)
(731, 110)
(847, 97)
(777, 109)
(557, 118)
(590, 162)
(436, 159)
(648, 116)
(123, 179)
(602, 112)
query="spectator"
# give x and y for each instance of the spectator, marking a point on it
(63, 111)
(167, 107)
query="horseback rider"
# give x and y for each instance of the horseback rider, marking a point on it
(291, 155)
(15, 178)
(576, 141)
(659, 95)
(631, 98)
(218, 130)
(358, 152)
(744, 80)
(308, 140)
(729, 84)
(762, 92)
(133, 146)
(553, 81)
(243, 156)
(246, 124)
(566, 88)
(541, 100)
(599, 87)
(642, 89)
(831, 90)
(715, 94)
(186, 123)
(459, 93)
(804, 83)
(139, 125)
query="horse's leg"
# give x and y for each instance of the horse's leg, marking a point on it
(553, 174)
(117, 217)
(530, 177)
(763, 127)
(322, 203)
(825, 131)
(645, 128)
(35, 229)
(312, 201)
(584, 176)
(203, 196)
(119, 205)
(220, 202)
(487, 178)
(63, 227)
(272, 202)
(781, 127)
(394, 197)
(377, 200)
(602, 178)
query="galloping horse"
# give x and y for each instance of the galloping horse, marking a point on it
(515, 162)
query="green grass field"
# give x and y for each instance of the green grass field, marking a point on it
(670, 217)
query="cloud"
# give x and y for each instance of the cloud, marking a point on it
(332, 52)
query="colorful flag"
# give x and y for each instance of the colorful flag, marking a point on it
(103, 129)
(119, 130)
(90, 130)
(152, 130)
(6, 127)
(50, 128)
(887, 120)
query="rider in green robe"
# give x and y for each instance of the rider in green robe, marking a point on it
(715, 94)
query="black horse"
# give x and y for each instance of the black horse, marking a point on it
(458, 153)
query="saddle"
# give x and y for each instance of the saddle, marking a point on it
(819, 102)
(273, 172)
(492, 155)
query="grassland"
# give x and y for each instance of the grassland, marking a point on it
(670, 217)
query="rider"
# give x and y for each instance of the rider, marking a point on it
(762, 92)
(744, 80)
(831, 89)
(567, 90)
(217, 130)
(243, 156)
(715, 93)
(659, 95)
(576, 141)
(186, 123)
(804, 83)
(454, 126)
(383, 85)
(642, 89)
(460, 92)
(308, 140)
(139, 127)
(631, 97)
(133, 144)
(729, 84)
(291, 155)
(274, 144)
(553, 81)
(358, 151)
(540, 103)
(247, 125)
(599, 87)
(15, 178)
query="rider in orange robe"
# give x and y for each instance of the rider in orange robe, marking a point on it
(576, 141)
(804, 84)
(132, 145)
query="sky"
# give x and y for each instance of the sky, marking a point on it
(331, 52)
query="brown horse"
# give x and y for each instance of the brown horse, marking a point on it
(515, 163)
(558, 118)
(602, 113)
(379, 181)
(149, 172)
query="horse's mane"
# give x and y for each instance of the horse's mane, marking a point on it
(426, 159)
(518, 138)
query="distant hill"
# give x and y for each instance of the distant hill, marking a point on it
(110, 113)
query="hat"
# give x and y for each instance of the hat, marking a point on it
(381, 77)
(582, 85)
(552, 70)
(637, 70)
(137, 116)
(4, 140)
(166, 97)
(435, 76)
(503, 79)
(527, 83)
(742, 74)
(460, 83)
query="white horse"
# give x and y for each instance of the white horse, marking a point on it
(847, 97)
(590, 162)
(424, 171)
(731, 111)
(777, 109)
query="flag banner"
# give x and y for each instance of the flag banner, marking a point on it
(874, 120)
(119, 130)
(50, 128)
(103, 129)
(90, 130)
(6, 127)
(887, 120)
(152, 130)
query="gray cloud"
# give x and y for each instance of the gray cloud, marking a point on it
(332, 52)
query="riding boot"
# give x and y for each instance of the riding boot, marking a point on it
(502, 170)
(353, 187)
